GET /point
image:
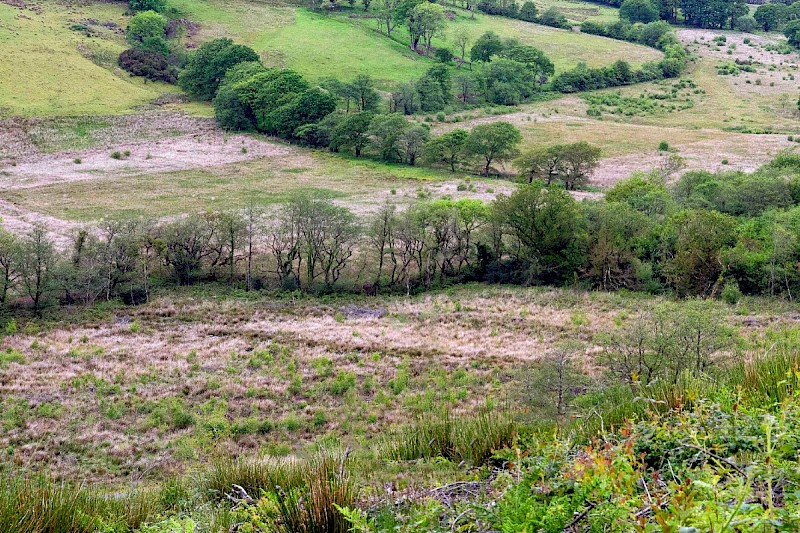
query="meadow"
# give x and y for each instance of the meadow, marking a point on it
(321, 46)
(46, 68)
(148, 393)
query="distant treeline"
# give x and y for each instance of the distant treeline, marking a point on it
(710, 234)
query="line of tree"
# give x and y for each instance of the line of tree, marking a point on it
(720, 234)
(719, 14)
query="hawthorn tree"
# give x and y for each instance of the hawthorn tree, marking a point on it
(447, 148)
(493, 142)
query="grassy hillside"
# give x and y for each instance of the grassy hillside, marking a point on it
(49, 66)
(48, 69)
(318, 45)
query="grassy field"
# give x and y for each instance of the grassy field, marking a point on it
(40, 52)
(319, 45)
(578, 11)
(48, 69)
(150, 391)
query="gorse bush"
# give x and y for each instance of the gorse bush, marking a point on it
(152, 65)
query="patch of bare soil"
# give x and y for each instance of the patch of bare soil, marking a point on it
(469, 188)
(522, 119)
(20, 221)
(156, 142)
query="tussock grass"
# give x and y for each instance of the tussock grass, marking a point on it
(467, 438)
(772, 376)
(294, 495)
(253, 475)
(43, 505)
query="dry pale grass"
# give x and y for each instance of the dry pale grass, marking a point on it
(201, 352)
(279, 362)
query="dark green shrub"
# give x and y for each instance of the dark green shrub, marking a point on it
(207, 66)
(147, 5)
(152, 65)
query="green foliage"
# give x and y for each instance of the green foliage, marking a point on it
(747, 24)
(737, 193)
(146, 28)
(643, 11)
(548, 230)
(731, 293)
(447, 149)
(385, 132)
(571, 164)
(206, 67)
(493, 142)
(277, 102)
(528, 12)
(717, 459)
(792, 33)
(172, 413)
(148, 5)
(694, 241)
(553, 17)
(352, 132)
(10, 355)
(771, 16)
(486, 46)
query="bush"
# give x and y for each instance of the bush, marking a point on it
(663, 146)
(146, 25)
(444, 55)
(731, 293)
(207, 66)
(553, 17)
(747, 24)
(232, 114)
(792, 32)
(147, 5)
(152, 65)
(528, 12)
